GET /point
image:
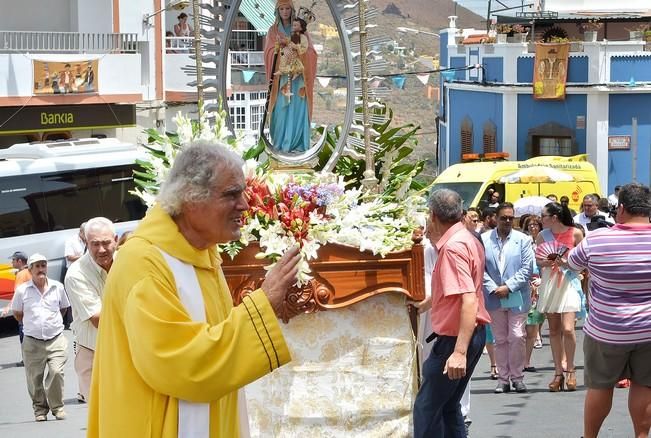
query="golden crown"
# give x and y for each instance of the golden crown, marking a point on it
(306, 14)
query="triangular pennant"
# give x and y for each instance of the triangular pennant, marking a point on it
(399, 81)
(376, 83)
(423, 77)
(248, 75)
(323, 81)
(447, 75)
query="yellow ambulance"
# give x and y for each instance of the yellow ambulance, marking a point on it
(478, 173)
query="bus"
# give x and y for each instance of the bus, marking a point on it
(48, 189)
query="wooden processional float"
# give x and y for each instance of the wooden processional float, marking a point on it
(353, 370)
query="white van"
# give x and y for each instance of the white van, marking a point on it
(48, 189)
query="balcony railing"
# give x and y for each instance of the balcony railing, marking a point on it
(176, 45)
(246, 59)
(68, 42)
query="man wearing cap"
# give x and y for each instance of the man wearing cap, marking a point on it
(40, 304)
(85, 284)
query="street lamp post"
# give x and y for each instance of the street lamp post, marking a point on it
(175, 4)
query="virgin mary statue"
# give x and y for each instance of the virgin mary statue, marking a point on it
(290, 97)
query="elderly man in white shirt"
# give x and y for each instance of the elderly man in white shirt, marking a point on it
(40, 305)
(590, 210)
(85, 283)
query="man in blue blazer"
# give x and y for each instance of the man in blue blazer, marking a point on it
(509, 264)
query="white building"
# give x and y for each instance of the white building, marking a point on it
(139, 77)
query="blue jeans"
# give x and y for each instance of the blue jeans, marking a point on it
(437, 412)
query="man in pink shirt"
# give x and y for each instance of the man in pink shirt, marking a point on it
(458, 320)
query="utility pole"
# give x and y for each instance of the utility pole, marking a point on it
(196, 21)
(634, 148)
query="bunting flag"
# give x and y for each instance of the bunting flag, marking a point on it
(376, 83)
(399, 81)
(323, 81)
(248, 75)
(423, 78)
(447, 75)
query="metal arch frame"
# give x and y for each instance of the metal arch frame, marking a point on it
(313, 151)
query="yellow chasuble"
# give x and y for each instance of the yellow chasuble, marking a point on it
(150, 353)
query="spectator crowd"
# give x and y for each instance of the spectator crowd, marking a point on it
(494, 279)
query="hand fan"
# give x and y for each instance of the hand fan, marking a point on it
(550, 250)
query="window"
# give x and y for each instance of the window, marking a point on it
(490, 136)
(21, 206)
(256, 116)
(552, 146)
(40, 203)
(238, 117)
(237, 97)
(117, 203)
(66, 194)
(467, 190)
(466, 136)
(258, 95)
(243, 37)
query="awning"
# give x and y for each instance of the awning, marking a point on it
(260, 13)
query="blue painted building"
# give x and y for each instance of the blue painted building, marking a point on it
(606, 112)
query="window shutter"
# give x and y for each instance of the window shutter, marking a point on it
(466, 136)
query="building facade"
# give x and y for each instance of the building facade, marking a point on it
(112, 68)
(606, 112)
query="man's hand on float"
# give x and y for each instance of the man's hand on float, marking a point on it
(280, 278)
(422, 306)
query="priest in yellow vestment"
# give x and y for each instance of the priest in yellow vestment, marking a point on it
(172, 350)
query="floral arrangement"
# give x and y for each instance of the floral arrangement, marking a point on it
(640, 27)
(311, 209)
(592, 25)
(519, 28)
(503, 28)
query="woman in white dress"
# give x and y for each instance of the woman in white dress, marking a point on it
(559, 292)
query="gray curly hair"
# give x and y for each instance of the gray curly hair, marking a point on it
(446, 205)
(194, 174)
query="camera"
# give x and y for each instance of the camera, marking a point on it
(598, 221)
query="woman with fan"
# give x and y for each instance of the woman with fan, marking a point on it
(559, 291)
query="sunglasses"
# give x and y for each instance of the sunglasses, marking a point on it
(506, 218)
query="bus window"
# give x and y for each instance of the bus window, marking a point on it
(71, 198)
(118, 204)
(21, 206)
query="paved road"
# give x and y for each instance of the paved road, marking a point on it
(539, 413)
(536, 414)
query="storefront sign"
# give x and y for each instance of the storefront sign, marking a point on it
(619, 142)
(78, 77)
(16, 120)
